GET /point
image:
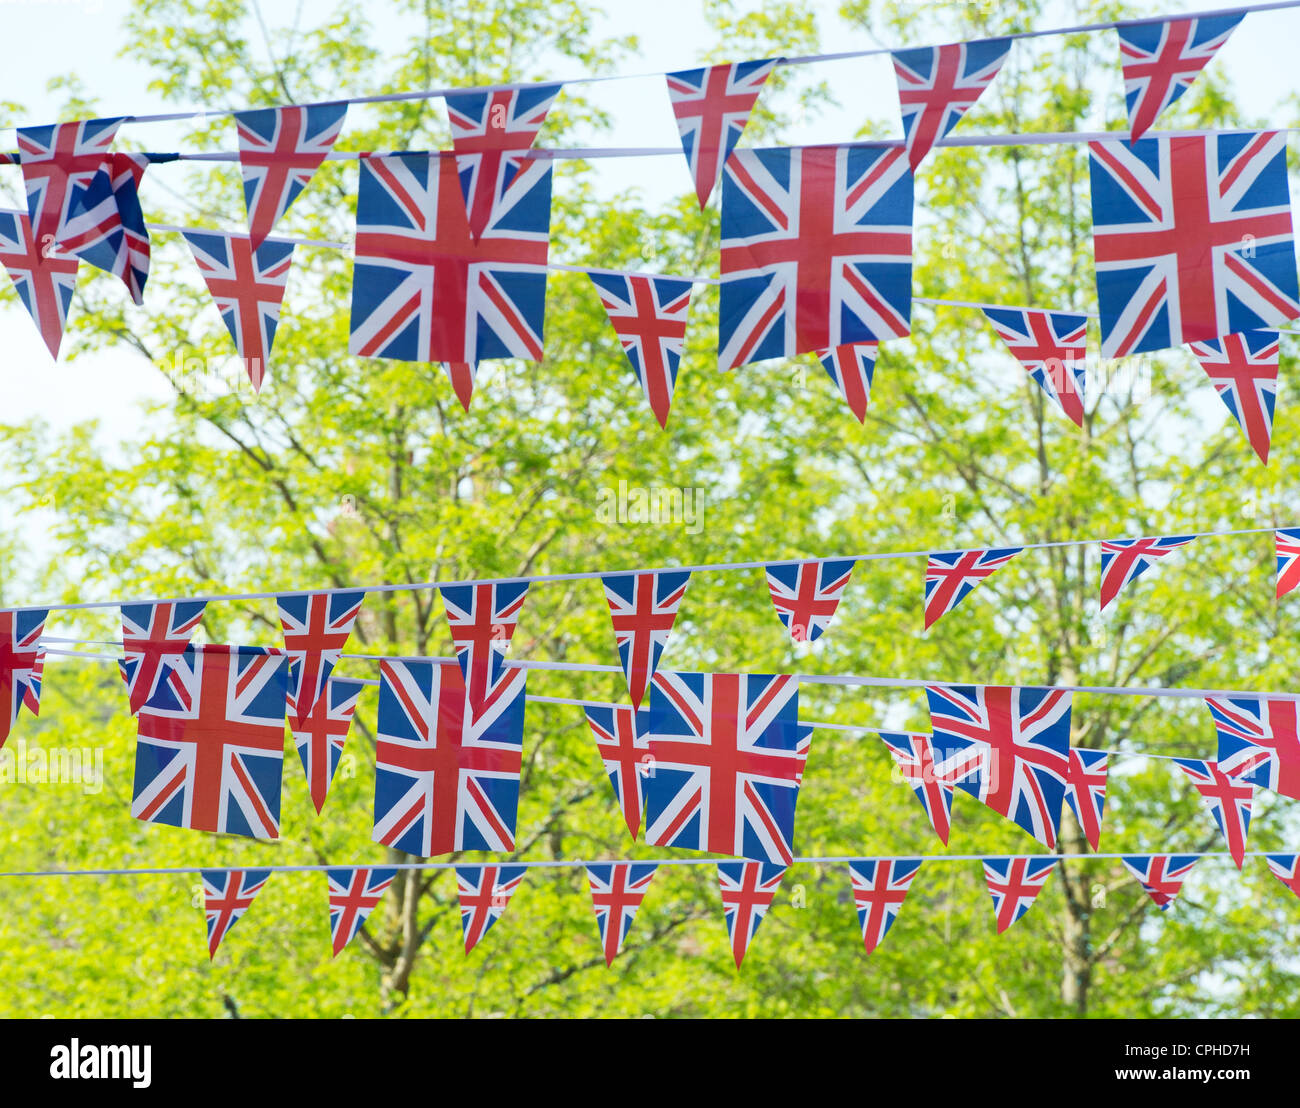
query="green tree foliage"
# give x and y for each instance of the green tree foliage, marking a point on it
(346, 470)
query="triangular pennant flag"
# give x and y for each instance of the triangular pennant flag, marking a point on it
(1007, 747)
(1085, 790)
(1013, 884)
(747, 892)
(1229, 798)
(354, 894)
(1259, 742)
(617, 890)
(491, 129)
(321, 736)
(649, 316)
(1161, 875)
(712, 106)
(154, 637)
(462, 376)
(852, 367)
(621, 735)
(21, 662)
(226, 896)
(938, 84)
(484, 892)
(1161, 59)
(248, 287)
(316, 628)
(60, 164)
(1243, 370)
(880, 886)
(279, 150)
(1053, 348)
(482, 620)
(806, 594)
(913, 756)
(643, 607)
(43, 281)
(1284, 868)
(951, 575)
(1125, 560)
(1287, 542)
(108, 230)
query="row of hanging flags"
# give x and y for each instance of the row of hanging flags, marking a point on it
(1192, 233)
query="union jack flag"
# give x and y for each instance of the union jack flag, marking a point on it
(484, 893)
(108, 230)
(353, 895)
(938, 84)
(60, 164)
(248, 287)
(482, 619)
(1008, 747)
(747, 892)
(227, 893)
(1053, 348)
(642, 607)
(649, 316)
(950, 576)
(1284, 867)
(21, 660)
(316, 629)
(1085, 790)
(1013, 884)
(154, 637)
(462, 376)
(1125, 560)
(728, 761)
(424, 289)
(816, 250)
(1161, 875)
(621, 735)
(806, 594)
(880, 886)
(44, 282)
(712, 106)
(1287, 543)
(913, 756)
(1243, 370)
(490, 132)
(617, 889)
(209, 751)
(852, 367)
(1228, 797)
(279, 150)
(320, 737)
(1192, 237)
(1258, 741)
(1160, 61)
(446, 776)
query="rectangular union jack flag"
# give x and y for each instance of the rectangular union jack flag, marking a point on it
(1053, 348)
(1161, 875)
(1014, 884)
(806, 594)
(60, 164)
(227, 893)
(1192, 237)
(154, 637)
(248, 287)
(649, 316)
(321, 736)
(491, 132)
(1161, 59)
(816, 250)
(316, 628)
(209, 749)
(880, 885)
(1243, 370)
(728, 761)
(446, 776)
(712, 106)
(279, 151)
(1085, 790)
(482, 619)
(424, 289)
(748, 889)
(950, 576)
(1258, 741)
(643, 607)
(938, 84)
(621, 734)
(617, 890)
(1286, 542)
(1125, 560)
(353, 895)
(913, 756)
(484, 893)
(1228, 797)
(21, 660)
(1007, 747)
(44, 283)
